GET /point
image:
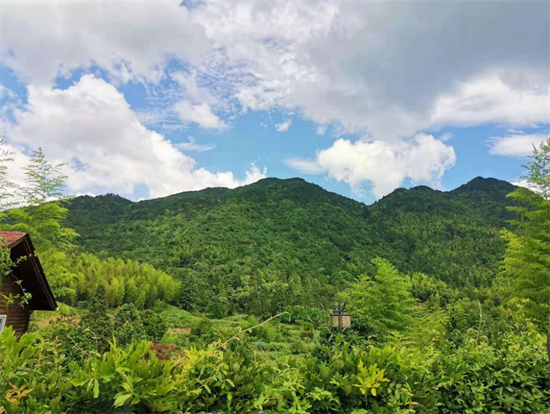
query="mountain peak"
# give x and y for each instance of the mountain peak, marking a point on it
(491, 185)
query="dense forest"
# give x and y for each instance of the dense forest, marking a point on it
(219, 300)
(278, 242)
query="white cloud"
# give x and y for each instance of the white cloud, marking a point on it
(41, 39)
(196, 103)
(423, 159)
(515, 145)
(393, 69)
(91, 127)
(283, 126)
(192, 145)
(490, 99)
(305, 166)
(191, 88)
(19, 160)
(201, 114)
(522, 183)
(254, 174)
(526, 184)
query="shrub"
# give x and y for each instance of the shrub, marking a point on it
(154, 325)
(203, 332)
(509, 376)
(128, 325)
(96, 321)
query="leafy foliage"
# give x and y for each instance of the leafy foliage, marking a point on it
(384, 298)
(154, 325)
(526, 265)
(41, 213)
(97, 323)
(124, 281)
(510, 376)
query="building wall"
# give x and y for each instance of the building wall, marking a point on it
(17, 317)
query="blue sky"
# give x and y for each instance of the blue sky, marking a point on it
(151, 99)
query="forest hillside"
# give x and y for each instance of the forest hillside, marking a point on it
(296, 242)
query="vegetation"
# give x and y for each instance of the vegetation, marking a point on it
(219, 300)
(479, 377)
(124, 282)
(526, 265)
(276, 243)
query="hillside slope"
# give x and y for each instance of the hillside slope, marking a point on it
(292, 241)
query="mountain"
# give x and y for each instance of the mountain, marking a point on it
(294, 241)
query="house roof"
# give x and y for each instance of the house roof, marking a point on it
(12, 237)
(29, 270)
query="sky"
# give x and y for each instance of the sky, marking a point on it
(151, 98)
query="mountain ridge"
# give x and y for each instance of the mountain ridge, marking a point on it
(294, 233)
(195, 193)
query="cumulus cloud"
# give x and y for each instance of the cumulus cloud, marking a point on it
(283, 126)
(491, 99)
(422, 159)
(20, 159)
(197, 102)
(394, 69)
(515, 145)
(254, 174)
(42, 39)
(526, 184)
(91, 127)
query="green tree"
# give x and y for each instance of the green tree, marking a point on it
(538, 170)
(42, 215)
(128, 325)
(526, 264)
(384, 298)
(44, 206)
(97, 321)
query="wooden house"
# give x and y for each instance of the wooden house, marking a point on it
(30, 273)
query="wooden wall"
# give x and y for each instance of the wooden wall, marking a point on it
(17, 317)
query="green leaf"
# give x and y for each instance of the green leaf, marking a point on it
(119, 401)
(96, 388)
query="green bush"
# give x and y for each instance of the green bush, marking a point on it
(203, 332)
(154, 325)
(128, 325)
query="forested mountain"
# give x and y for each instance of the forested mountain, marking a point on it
(279, 242)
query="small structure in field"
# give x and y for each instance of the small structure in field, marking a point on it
(340, 318)
(27, 275)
